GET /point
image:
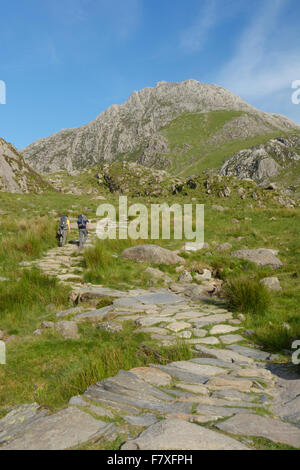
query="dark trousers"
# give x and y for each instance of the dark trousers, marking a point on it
(83, 234)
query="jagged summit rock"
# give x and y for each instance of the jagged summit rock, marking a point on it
(133, 128)
(16, 176)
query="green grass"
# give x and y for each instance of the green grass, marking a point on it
(25, 302)
(50, 369)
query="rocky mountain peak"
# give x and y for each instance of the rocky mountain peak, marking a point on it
(128, 130)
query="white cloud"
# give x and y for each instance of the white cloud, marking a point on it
(263, 64)
(194, 38)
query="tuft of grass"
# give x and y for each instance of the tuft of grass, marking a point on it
(23, 303)
(247, 296)
(104, 265)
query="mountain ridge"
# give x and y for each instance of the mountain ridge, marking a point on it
(132, 130)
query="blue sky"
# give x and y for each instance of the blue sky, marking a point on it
(65, 61)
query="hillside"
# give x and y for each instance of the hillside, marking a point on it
(174, 126)
(16, 176)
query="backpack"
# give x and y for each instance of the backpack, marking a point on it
(63, 222)
(82, 221)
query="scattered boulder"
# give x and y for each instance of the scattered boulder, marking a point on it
(260, 256)
(68, 329)
(271, 283)
(185, 277)
(152, 254)
(206, 274)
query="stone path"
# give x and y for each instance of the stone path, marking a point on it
(218, 400)
(229, 393)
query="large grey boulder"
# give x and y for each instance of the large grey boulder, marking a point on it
(254, 425)
(260, 256)
(177, 434)
(152, 254)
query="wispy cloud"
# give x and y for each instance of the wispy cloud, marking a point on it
(264, 63)
(195, 36)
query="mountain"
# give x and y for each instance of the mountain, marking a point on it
(16, 176)
(182, 127)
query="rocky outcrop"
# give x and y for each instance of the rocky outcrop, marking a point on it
(131, 130)
(264, 161)
(15, 175)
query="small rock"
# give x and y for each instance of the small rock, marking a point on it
(47, 324)
(199, 333)
(37, 332)
(152, 376)
(224, 247)
(223, 329)
(235, 221)
(68, 329)
(155, 273)
(205, 275)
(178, 326)
(185, 277)
(271, 283)
(110, 326)
(142, 420)
(185, 335)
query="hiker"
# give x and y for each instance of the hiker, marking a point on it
(63, 229)
(83, 227)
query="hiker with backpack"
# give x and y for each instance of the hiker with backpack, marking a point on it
(63, 229)
(83, 227)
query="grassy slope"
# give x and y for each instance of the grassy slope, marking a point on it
(194, 130)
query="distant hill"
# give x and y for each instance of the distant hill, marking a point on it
(181, 127)
(16, 176)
